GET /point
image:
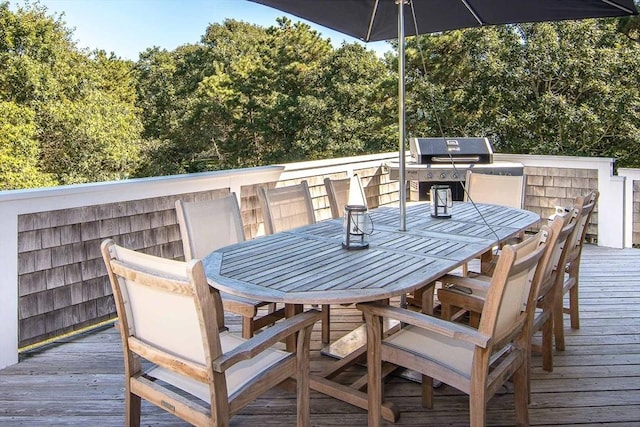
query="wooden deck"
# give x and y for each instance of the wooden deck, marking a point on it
(78, 381)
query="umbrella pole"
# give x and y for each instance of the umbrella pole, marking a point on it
(401, 115)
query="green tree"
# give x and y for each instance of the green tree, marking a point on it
(630, 26)
(568, 88)
(86, 125)
(19, 149)
(182, 122)
(266, 96)
(230, 107)
(91, 140)
(360, 98)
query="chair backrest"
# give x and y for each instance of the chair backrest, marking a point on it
(285, 208)
(168, 313)
(564, 228)
(504, 313)
(505, 190)
(344, 191)
(208, 225)
(587, 204)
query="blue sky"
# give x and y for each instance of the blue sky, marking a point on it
(128, 27)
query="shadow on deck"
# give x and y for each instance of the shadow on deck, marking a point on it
(78, 381)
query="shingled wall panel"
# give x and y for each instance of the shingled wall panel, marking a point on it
(61, 276)
(550, 187)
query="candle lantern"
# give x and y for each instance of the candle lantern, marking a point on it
(357, 225)
(441, 203)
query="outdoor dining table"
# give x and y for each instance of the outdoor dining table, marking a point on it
(308, 265)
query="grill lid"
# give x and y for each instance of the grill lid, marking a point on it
(426, 151)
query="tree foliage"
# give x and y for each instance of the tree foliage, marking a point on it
(568, 88)
(249, 96)
(77, 107)
(19, 149)
(246, 95)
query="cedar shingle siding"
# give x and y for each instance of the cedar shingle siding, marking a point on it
(61, 276)
(550, 187)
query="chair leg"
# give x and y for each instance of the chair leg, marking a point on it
(132, 410)
(465, 269)
(326, 323)
(474, 319)
(247, 327)
(527, 371)
(520, 392)
(446, 311)
(574, 311)
(302, 377)
(477, 407)
(558, 324)
(547, 343)
(427, 392)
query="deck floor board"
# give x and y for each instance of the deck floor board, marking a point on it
(78, 381)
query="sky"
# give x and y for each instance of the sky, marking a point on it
(128, 27)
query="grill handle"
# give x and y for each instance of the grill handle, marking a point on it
(470, 159)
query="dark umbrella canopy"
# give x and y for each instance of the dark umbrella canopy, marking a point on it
(375, 20)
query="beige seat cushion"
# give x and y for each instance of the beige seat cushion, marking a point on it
(237, 376)
(453, 353)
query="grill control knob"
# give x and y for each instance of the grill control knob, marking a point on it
(443, 175)
(429, 175)
(455, 176)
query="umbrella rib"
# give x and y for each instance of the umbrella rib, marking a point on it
(373, 17)
(415, 20)
(617, 6)
(473, 12)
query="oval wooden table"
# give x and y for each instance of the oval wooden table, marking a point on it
(308, 265)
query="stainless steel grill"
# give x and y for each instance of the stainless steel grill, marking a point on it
(446, 161)
(431, 151)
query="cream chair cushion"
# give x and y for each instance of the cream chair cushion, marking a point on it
(453, 353)
(495, 189)
(237, 376)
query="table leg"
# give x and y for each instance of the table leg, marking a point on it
(291, 310)
(352, 393)
(352, 351)
(351, 396)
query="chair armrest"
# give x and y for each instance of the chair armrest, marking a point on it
(425, 321)
(265, 339)
(454, 297)
(568, 284)
(479, 283)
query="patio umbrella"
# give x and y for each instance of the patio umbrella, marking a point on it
(375, 20)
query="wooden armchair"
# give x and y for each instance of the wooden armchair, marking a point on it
(570, 286)
(284, 208)
(475, 361)
(344, 191)
(504, 190)
(208, 225)
(469, 294)
(172, 324)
